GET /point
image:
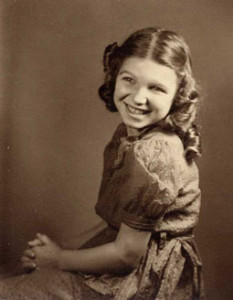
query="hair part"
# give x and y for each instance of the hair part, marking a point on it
(169, 49)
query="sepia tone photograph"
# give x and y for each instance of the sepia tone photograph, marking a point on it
(116, 149)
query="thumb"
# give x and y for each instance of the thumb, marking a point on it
(43, 238)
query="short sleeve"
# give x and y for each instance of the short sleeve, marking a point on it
(153, 182)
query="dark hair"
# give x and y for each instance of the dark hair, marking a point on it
(169, 49)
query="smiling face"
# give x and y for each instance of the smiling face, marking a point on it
(144, 92)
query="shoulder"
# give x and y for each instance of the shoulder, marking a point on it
(160, 148)
(167, 139)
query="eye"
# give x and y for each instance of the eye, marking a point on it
(156, 88)
(128, 79)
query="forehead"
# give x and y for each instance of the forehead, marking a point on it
(149, 70)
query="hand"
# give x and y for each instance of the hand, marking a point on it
(47, 253)
(28, 258)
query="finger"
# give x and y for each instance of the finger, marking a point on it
(26, 259)
(34, 243)
(43, 238)
(29, 265)
(29, 253)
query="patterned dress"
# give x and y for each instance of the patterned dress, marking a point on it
(148, 185)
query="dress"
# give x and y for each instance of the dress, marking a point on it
(148, 185)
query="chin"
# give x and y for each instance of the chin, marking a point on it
(136, 126)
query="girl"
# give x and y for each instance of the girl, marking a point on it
(149, 194)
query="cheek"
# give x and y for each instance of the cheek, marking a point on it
(161, 105)
(120, 92)
(116, 90)
(117, 94)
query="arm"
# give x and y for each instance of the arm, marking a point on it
(122, 255)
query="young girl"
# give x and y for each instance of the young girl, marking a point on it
(149, 195)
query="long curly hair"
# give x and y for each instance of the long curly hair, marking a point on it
(169, 49)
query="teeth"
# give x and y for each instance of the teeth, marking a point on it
(135, 111)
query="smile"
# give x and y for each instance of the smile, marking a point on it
(136, 111)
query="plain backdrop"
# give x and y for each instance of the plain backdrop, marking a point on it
(54, 127)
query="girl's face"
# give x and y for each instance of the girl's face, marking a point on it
(144, 92)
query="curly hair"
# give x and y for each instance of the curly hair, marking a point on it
(169, 49)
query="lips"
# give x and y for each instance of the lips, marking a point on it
(135, 111)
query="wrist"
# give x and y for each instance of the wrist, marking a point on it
(59, 259)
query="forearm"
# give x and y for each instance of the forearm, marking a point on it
(108, 258)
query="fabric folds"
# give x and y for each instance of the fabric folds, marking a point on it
(138, 222)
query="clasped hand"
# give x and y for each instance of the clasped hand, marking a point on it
(42, 252)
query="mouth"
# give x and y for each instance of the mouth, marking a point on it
(136, 111)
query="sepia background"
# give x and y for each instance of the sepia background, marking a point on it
(54, 127)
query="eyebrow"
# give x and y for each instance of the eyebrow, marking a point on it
(128, 72)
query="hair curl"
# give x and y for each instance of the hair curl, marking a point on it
(169, 49)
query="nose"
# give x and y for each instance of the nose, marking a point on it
(140, 97)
